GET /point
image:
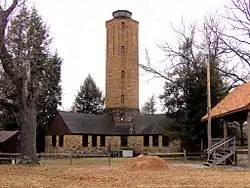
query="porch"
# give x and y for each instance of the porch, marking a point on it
(232, 112)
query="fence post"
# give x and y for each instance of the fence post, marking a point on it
(109, 156)
(70, 158)
(185, 155)
(109, 151)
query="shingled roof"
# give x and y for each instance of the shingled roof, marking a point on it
(5, 135)
(236, 101)
(79, 123)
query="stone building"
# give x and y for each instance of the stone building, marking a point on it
(122, 125)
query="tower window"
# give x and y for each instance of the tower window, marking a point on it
(122, 74)
(122, 50)
(122, 117)
(122, 99)
(123, 25)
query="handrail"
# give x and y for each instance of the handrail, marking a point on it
(224, 143)
(212, 151)
(214, 145)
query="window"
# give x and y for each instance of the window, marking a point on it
(123, 25)
(122, 50)
(155, 140)
(122, 74)
(122, 117)
(122, 99)
(165, 141)
(54, 140)
(124, 141)
(146, 141)
(102, 141)
(60, 140)
(85, 140)
(94, 140)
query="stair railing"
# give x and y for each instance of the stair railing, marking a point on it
(224, 143)
(212, 150)
(211, 147)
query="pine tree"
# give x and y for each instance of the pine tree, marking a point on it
(50, 98)
(89, 98)
(149, 106)
(185, 98)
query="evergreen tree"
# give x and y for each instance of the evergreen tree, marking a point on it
(149, 106)
(50, 98)
(185, 98)
(89, 98)
(28, 37)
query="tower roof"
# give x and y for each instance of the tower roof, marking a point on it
(122, 14)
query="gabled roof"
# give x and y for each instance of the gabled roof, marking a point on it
(236, 101)
(86, 123)
(79, 123)
(5, 135)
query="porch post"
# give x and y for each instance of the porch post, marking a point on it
(225, 130)
(248, 137)
(241, 133)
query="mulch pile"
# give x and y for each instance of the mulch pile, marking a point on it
(144, 162)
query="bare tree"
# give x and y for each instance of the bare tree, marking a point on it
(200, 40)
(234, 41)
(18, 70)
(235, 36)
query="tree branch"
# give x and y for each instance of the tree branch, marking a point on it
(7, 103)
(11, 8)
(6, 59)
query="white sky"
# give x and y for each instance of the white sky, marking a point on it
(78, 29)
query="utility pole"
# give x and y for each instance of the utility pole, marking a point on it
(209, 136)
(208, 102)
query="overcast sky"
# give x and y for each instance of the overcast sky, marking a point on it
(78, 29)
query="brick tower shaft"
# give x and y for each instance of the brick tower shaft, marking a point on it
(122, 68)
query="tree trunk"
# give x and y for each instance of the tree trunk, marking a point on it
(27, 119)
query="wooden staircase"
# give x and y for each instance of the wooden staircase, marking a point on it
(221, 153)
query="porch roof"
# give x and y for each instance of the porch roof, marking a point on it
(236, 101)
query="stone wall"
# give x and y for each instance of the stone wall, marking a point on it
(242, 159)
(73, 143)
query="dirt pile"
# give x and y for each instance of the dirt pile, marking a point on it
(143, 162)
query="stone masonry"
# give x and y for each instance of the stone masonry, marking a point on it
(122, 92)
(73, 143)
(122, 68)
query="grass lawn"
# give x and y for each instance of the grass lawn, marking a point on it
(97, 173)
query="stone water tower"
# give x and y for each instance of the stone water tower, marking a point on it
(122, 67)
